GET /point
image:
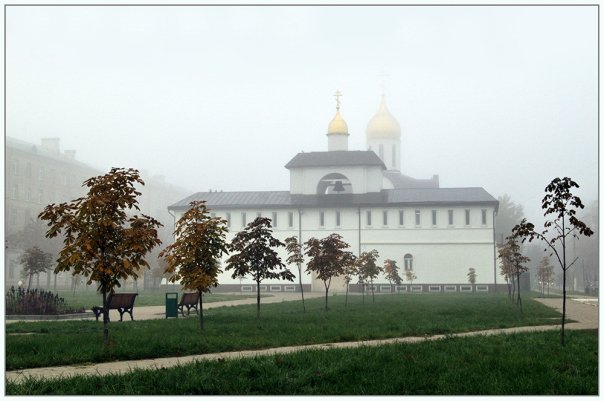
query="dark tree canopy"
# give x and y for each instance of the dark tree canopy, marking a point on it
(252, 253)
(560, 206)
(35, 261)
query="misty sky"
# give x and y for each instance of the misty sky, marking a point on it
(223, 97)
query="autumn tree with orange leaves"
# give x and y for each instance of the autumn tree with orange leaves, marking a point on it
(193, 260)
(102, 242)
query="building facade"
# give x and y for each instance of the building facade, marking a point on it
(38, 175)
(438, 233)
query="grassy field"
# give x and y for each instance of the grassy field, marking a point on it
(518, 364)
(236, 328)
(88, 299)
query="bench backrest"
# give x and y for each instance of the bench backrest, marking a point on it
(189, 298)
(121, 300)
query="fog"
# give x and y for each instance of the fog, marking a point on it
(499, 97)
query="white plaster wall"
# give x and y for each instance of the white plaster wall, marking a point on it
(363, 179)
(390, 162)
(442, 253)
(337, 142)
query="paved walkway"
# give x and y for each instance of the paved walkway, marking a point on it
(584, 312)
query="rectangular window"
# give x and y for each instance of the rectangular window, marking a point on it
(228, 219)
(417, 217)
(274, 219)
(40, 196)
(337, 218)
(401, 218)
(322, 219)
(40, 173)
(484, 217)
(290, 218)
(243, 222)
(385, 217)
(28, 194)
(369, 217)
(28, 170)
(15, 192)
(467, 217)
(434, 217)
(450, 217)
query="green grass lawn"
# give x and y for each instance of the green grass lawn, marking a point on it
(236, 328)
(88, 299)
(516, 364)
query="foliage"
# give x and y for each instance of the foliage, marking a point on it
(36, 302)
(328, 258)
(295, 256)
(101, 242)
(508, 215)
(35, 261)
(368, 269)
(471, 275)
(252, 253)
(545, 274)
(391, 272)
(561, 206)
(193, 258)
(410, 275)
(515, 262)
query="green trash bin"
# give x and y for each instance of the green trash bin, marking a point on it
(171, 304)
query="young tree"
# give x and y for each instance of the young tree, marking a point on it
(35, 261)
(350, 271)
(101, 242)
(410, 276)
(252, 253)
(472, 275)
(194, 257)
(517, 262)
(545, 273)
(368, 269)
(391, 271)
(561, 206)
(294, 251)
(507, 269)
(328, 258)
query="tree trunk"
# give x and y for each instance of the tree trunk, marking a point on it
(363, 291)
(55, 284)
(258, 300)
(346, 300)
(301, 287)
(105, 320)
(519, 301)
(29, 282)
(200, 310)
(372, 291)
(563, 284)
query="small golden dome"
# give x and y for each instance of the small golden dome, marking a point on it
(337, 125)
(383, 124)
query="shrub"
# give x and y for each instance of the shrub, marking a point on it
(36, 302)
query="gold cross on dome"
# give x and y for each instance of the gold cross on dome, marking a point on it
(337, 95)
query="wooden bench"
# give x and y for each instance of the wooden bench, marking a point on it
(190, 300)
(121, 302)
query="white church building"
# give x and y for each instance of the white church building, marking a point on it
(439, 233)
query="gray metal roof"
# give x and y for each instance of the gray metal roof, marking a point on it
(399, 180)
(387, 197)
(336, 158)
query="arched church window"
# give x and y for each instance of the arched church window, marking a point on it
(408, 261)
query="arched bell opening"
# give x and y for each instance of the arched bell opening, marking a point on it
(334, 183)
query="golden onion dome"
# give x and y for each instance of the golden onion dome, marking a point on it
(383, 124)
(337, 125)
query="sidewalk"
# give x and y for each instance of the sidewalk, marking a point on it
(585, 313)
